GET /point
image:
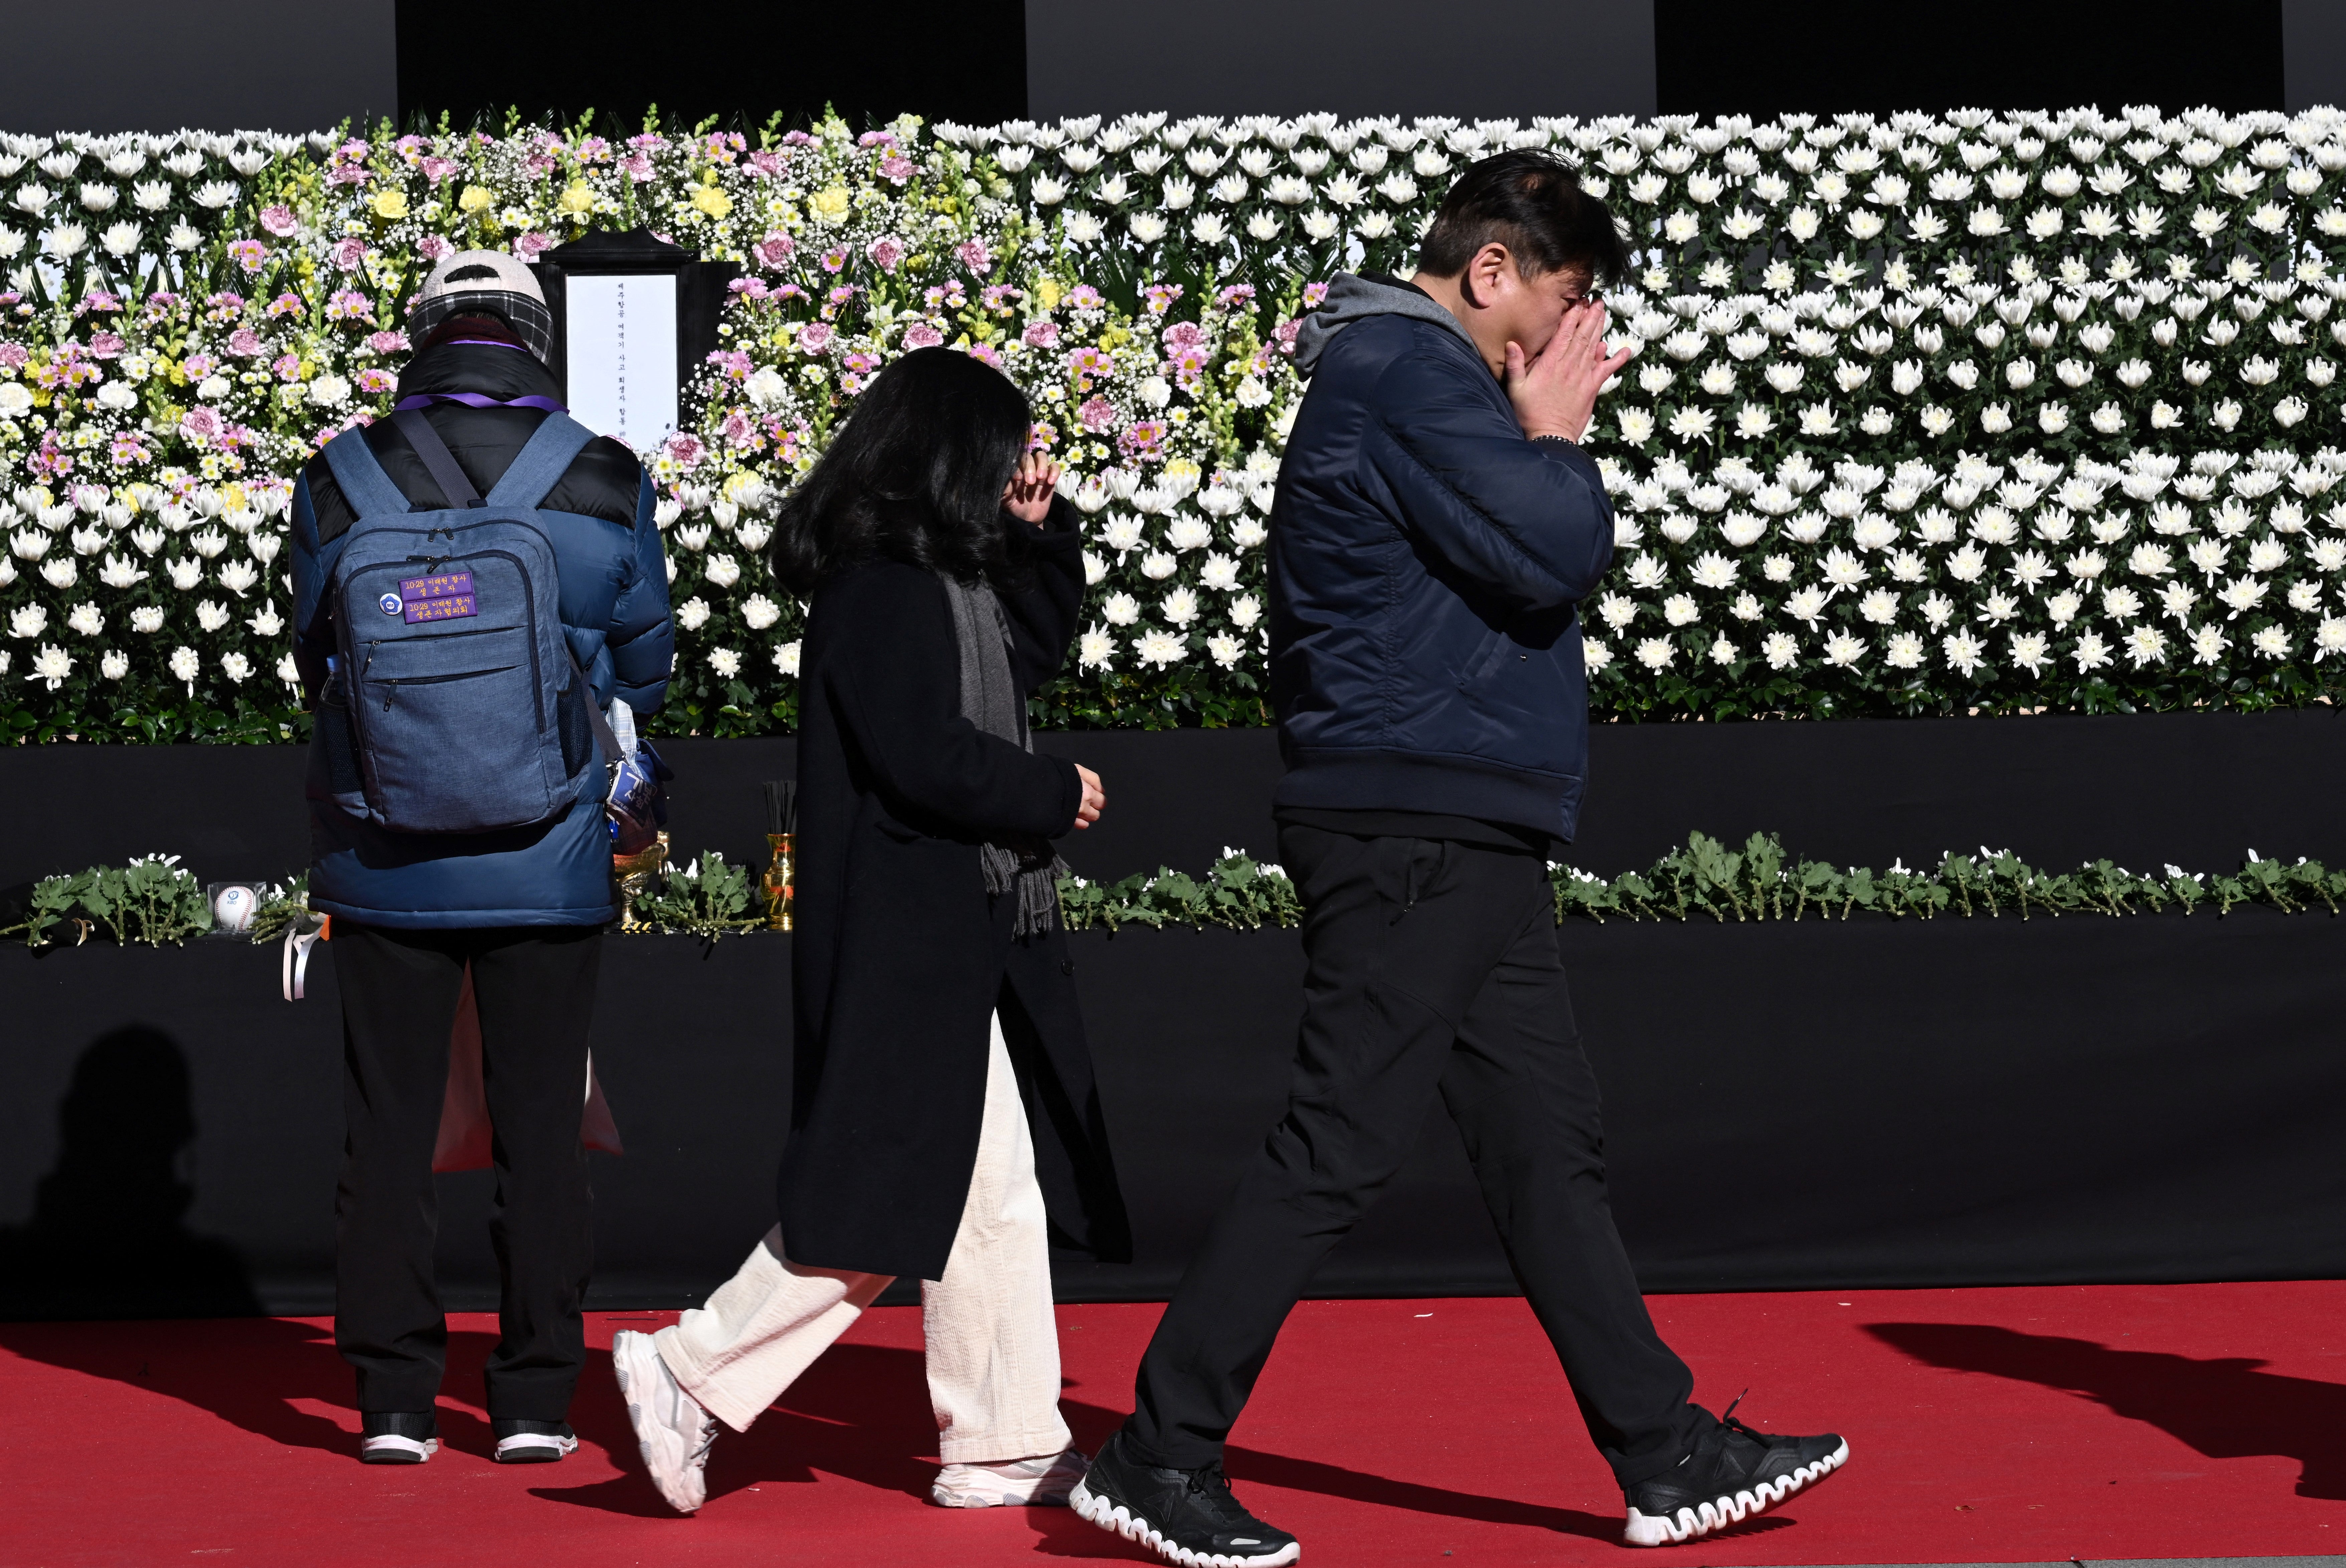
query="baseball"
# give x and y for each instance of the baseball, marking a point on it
(233, 908)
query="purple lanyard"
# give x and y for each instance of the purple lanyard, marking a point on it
(476, 400)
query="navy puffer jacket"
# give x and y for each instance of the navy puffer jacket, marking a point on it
(614, 613)
(1426, 562)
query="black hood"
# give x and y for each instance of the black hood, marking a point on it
(492, 370)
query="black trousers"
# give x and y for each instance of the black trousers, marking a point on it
(535, 988)
(1431, 967)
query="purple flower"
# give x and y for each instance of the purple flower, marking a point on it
(1182, 336)
(686, 449)
(1162, 296)
(199, 366)
(1236, 294)
(374, 379)
(287, 367)
(13, 356)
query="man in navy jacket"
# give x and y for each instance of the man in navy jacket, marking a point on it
(1435, 530)
(522, 909)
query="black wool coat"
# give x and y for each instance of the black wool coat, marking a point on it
(901, 957)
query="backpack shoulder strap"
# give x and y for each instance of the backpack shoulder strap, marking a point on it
(365, 485)
(540, 464)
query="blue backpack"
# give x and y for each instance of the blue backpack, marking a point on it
(466, 709)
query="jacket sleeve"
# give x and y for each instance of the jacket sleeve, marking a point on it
(1043, 614)
(642, 634)
(889, 664)
(313, 632)
(1526, 522)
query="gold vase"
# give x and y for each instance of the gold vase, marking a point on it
(780, 883)
(635, 874)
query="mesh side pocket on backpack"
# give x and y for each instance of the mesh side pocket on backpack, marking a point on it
(577, 729)
(339, 738)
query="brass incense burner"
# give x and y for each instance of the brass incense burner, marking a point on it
(635, 874)
(780, 883)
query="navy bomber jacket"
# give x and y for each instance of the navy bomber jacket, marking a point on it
(1426, 565)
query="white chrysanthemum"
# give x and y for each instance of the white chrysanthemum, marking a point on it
(761, 612)
(2207, 644)
(786, 659)
(1245, 610)
(1225, 649)
(51, 665)
(1843, 649)
(287, 670)
(721, 570)
(1179, 607)
(186, 664)
(2271, 642)
(1781, 649)
(115, 663)
(2029, 651)
(148, 618)
(236, 666)
(2091, 653)
(85, 619)
(725, 662)
(1159, 648)
(693, 614)
(1656, 653)
(1680, 610)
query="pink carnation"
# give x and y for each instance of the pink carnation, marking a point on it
(1097, 414)
(766, 163)
(774, 250)
(349, 252)
(923, 335)
(244, 342)
(387, 342)
(434, 248)
(280, 220)
(974, 256)
(200, 423)
(899, 169)
(1183, 335)
(1042, 335)
(685, 448)
(533, 245)
(13, 355)
(885, 253)
(436, 169)
(106, 345)
(815, 337)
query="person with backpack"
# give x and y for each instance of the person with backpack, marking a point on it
(944, 1121)
(1435, 530)
(476, 578)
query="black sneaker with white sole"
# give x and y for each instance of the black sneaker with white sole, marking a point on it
(398, 1436)
(1733, 1473)
(534, 1443)
(1185, 1516)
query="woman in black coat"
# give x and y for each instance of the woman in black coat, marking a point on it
(945, 1123)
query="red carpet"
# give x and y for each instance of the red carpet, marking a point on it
(1986, 1426)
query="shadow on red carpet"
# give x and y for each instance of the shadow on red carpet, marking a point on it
(2224, 1408)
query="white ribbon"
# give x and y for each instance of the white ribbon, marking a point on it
(296, 966)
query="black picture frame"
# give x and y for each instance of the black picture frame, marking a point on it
(701, 289)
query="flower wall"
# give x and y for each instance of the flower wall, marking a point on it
(1955, 413)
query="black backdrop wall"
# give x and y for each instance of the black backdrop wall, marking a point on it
(2199, 791)
(287, 65)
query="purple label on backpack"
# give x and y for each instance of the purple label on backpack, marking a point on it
(445, 597)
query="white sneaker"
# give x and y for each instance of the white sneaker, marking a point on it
(397, 1438)
(534, 1443)
(1042, 1481)
(671, 1428)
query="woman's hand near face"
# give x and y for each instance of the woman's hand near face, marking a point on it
(1027, 496)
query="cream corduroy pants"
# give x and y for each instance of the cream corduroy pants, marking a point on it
(993, 1342)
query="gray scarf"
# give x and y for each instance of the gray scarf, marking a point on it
(989, 700)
